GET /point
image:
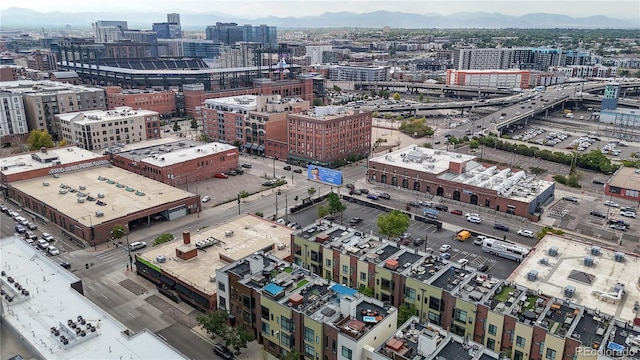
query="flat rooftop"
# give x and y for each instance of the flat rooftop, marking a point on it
(43, 87)
(175, 153)
(16, 164)
(230, 242)
(96, 116)
(52, 303)
(626, 178)
(595, 285)
(451, 278)
(122, 192)
(507, 182)
(245, 102)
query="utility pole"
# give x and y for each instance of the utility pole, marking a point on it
(238, 203)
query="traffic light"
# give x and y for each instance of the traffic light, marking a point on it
(238, 199)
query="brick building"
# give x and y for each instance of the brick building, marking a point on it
(179, 163)
(460, 177)
(249, 120)
(301, 87)
(162, 102)
(327, 134)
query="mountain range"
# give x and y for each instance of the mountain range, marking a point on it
(21, 17)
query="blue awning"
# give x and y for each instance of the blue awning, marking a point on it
(260, 148)
(254, 146)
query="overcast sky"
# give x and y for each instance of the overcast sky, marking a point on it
(260, 8)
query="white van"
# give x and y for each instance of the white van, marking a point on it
(137, 245)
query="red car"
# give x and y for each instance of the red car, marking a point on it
(456, 212)
(221, 176)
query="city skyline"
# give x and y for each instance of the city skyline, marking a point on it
(300, 8)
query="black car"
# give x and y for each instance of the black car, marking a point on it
(418, 241)
(288, 168)
(619, 222)
(598, 213)
(297, 171)
(246, 166)
(571, 199)
(413, 204)
(232, 173)
(483, 268)
(384, 196)
(222, 351)
(364, 191)
(355, 221)
(442, 207)
(65, 265)
(350, 186)
(598, 182)
(502, 227)
(268, 183)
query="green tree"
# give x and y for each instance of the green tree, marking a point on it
(323, 211)
(317, 102)
(623, 73)
(39, 139)
(405, 311)
(335, 205)
(176, 126)
(393, 224)
(237, 143)
(214, 322)
(194, 124)
(118, 232)
(244, 194)
(396, 96)
(163, 238)
(474, 144)
(336, 88)
(292, 356)
(63, 142)
(373, 93)
(259, 213)
(311, 191)
(366, 291)
(421, 98)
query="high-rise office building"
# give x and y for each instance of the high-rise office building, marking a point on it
(170, 29)
(109, 30)
(231, 33)
(173, 18)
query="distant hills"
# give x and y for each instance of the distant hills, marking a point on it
(20, 17)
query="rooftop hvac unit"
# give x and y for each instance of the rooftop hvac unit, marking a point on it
(532, 275)
(101, 195)
(595, 250)
(569, 291)
(45, 183)
(588, 261)
(80, 200)
(82, 187)
(99, 214)
(63, 191)
(619, 256)
(553, 251)
(161, 259)
(544, 261)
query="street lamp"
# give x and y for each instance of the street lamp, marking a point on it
(123, 231)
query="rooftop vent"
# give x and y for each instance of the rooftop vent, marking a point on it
(45, 183)
(82, 187)
(80, 200)
(101, 195)
(99, 214)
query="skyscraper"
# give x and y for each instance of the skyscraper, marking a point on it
(173, 18)
(610, 98)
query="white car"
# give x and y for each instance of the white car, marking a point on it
(479, 239)
(611, 203)
(526, 233)
(630, 214)
(53, 251)
(473, 219)
(445, 248)
(206, 198)
(468, 215)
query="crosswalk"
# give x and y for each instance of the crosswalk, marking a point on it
(111, 256)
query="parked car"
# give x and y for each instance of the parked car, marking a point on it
(405, 235)
(598, 213)
(246, 165)
(297, 171)
(20, 229)
(355, 221)
(418, 241)
(571, 199)
(402, 241)
(32, 226)
(384, 196)
(350, 186)
(598, 182)
(287, 167)
(479, 239)
(372, 196)
(137, 245)
(483, 268)
(630, 214)
(442, 207)
(53, 251)
(65, 265)
(222, 351)
(355, 192)
(232, 173)
(474, 219)
(30, 235)
(526, 233)
(3, 208)
(502, 227)
(618, 227)
(364, 191)
(446, 255)
(221, 176)
(619, 222)
(42, 244)
(611, 203)
(628, 208)
(268, 183)
(445, 248)
(206, 198)
(47, 237)
(413, 204)
(456, 212)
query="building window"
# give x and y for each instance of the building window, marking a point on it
(285, 340)
(493, 330)
(265, 312)
(345, 269)
(328, 262)
(416, 186)
(287, 324)
(405, 184)
(410, 293)
(266, 328)
(309, 350)
(221, 286)
(460, 315)
(308, 334)
(394, 181)
(363, 276)
(550, 355)
(520, 341)
(434, 318)
(434, 303)
(347, 353)
(491, 344)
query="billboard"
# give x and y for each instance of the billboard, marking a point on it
(325, 175)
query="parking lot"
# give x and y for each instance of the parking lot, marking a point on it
(498, 267)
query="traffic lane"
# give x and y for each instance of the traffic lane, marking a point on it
(186, 341)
